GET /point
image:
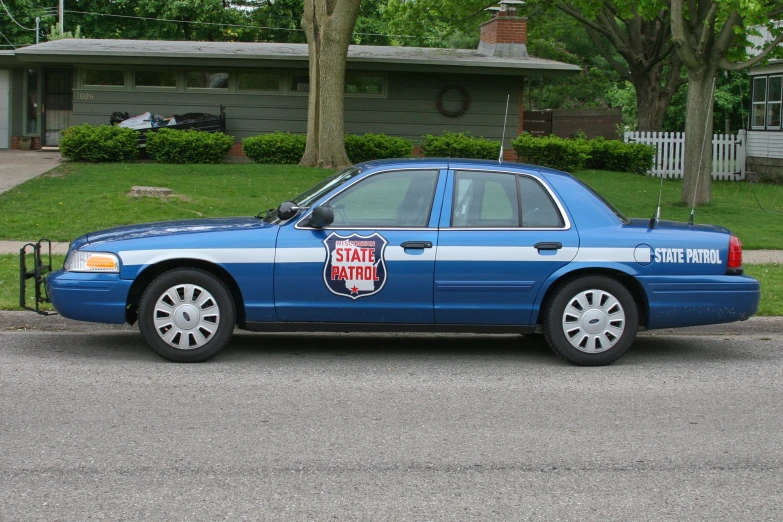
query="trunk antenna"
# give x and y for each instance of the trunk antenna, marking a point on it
(701, 156)
(657, 216)
(505, 119)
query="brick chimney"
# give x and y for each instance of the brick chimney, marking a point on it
(505, 35)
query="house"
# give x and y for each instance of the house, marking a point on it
(402, 91)
(765, 133)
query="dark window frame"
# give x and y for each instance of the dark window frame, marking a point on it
(218, 90)
(766, 102)
(83, 78)
(179, 80)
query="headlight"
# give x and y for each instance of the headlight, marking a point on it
(92, 262)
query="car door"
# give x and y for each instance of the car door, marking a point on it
(375, 263)
(502, 234)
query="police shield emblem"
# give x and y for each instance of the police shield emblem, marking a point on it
(355, 264)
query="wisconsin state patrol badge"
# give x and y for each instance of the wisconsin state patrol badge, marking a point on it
(354, 264)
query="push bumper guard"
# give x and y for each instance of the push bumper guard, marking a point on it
(38, 274)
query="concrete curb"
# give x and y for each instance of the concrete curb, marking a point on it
(13, 247)
(749, 257)
(21, 321)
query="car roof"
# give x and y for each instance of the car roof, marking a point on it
(456, 163)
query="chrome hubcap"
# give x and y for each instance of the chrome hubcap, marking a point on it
(593, 321)
(186, 317)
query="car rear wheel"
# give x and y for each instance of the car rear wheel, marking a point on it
(187, 315)
(591, 321)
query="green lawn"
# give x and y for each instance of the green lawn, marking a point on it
(79, 198)
(771, 279)
(770, 276)
(733, 204)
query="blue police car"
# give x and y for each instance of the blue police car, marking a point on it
(413, 245)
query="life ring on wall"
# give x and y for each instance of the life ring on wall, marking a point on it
(457, 112)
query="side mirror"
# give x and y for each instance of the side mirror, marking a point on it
(322, 217)
(287, 210)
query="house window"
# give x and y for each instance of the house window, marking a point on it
(159, 79)
(356, 84)
(104, 78)
(257, 81)
(31, 105)
(300, 83)
(206, 80)
(367, 84)
(774, 99)
(759, 102)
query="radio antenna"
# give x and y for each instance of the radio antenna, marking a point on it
(657, 216)
(505, 119)
(701, 156)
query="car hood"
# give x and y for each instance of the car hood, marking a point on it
(169, 228)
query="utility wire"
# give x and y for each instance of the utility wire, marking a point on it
(14, 19)
(220, 24)
(7, 40)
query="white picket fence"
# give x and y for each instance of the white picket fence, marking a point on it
(728, 153)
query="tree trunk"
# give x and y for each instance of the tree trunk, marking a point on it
(697, 183)
(328, 25)
(651, 103)
(653, 95)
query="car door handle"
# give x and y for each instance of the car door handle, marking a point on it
(417, 244)
(548, 246)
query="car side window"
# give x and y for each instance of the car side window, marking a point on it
(485, 200)
(538, 209)
(390, 199)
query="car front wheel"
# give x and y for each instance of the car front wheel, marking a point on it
(187, 315)
(591, 321)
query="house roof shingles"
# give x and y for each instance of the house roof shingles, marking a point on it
(78, 49)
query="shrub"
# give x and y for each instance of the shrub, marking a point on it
(99, 143)
(619, 156)
(279, 148)
(459, 145)
(376, 146)
(188, 146)
(553, 152)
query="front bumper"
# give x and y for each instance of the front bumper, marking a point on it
(677, 301)
(97, 298)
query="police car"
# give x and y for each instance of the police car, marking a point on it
(413, 245)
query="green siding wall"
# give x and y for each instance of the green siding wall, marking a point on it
(408, 110)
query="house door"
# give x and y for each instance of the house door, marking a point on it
(58, 104)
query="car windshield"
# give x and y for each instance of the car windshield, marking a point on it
(606, 202)
(314, 193)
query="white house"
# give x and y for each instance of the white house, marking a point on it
(765, 133)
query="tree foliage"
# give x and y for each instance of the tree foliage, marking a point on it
(202, 20)
(710, 36)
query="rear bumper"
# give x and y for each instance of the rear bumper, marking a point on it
(676, 301)
(98, 298)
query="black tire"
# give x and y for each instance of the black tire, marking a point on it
(219, 316)
(594, 332)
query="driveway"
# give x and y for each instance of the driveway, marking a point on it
(17, 166)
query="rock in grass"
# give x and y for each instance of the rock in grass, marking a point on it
(152, 192)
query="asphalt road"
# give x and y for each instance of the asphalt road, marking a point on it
(420, 427)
